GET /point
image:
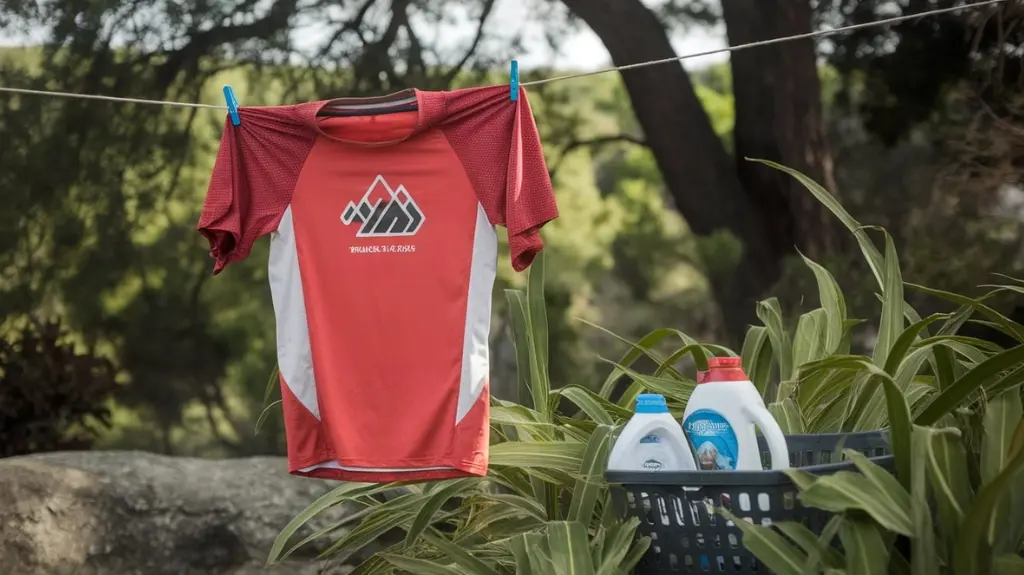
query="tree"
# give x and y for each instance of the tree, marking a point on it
(778, 117)
(779, 112)
(103, 198)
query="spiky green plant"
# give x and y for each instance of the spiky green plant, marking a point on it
(953, 406)
(545, 501)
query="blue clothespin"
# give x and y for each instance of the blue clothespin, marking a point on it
(513, 81)
(229, 97)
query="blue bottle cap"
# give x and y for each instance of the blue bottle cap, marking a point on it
(651, 403)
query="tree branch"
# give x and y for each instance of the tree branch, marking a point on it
(352, 25)
(595, 142)
(484, 14)
(375, 58)
(202, 42)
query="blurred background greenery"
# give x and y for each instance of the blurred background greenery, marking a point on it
(105, 285)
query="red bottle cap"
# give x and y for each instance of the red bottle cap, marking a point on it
(722, 369)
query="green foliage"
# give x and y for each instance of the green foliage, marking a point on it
(52, 396)
(953, 406)
(955, 492)
(956, 522)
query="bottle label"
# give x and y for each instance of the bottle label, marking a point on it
(713, 439)
(652, 465)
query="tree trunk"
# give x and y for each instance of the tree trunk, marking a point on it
(779, 117)
(697, 170)
(708, 189)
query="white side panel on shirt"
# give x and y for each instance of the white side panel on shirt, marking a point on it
(475, 352)
(294, 356)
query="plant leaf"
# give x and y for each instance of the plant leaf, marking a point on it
(334, 497)
(593, 405)
(975, 545)
(949, 399)
(944, 364)
(273, 383)
(433, 504)
(419, 566)
(845, 491)
(787, 413)
(1011, 327)
(538, 311)
(591, 480)
(521, 551)
(891, 325)
(809, 340)
(468, 564)
(694, 350)
(570, 551)
(1008, 564)
(540, 557)
(264, 414)
(519, 322)
(947, 472)
(900, 428)
(924, 560)
(1002, 417)
(616, 556)
(848, 325)
(370, 529)
(866, 552)
(906, 339)
(635, 555)
(819, 552)
(769, 312)
(644, 347)
(757, 357)
(559, 455)
(867, 247)
(778, 555)
(896, 407)
(537, 330)
(832, 301)
(674, 390)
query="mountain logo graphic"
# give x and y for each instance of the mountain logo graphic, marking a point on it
(384, 212)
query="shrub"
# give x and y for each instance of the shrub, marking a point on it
(954, 410)
(51, 396)
(545, 499)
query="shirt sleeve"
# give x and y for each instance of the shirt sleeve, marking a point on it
(258, 163)
(497, 141)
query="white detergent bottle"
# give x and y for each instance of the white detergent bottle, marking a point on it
(652, 440)
(721, 416)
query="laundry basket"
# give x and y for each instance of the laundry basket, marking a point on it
(676, 509)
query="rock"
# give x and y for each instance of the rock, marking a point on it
(126, 513)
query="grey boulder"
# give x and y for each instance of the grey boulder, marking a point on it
(126, 513)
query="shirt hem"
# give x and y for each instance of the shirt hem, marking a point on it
(404, 471)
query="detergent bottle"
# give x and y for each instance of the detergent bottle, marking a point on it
(720, 418)
(652, 440)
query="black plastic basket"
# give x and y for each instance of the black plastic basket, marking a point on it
(676, 509)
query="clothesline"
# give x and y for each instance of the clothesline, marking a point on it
(728, 49)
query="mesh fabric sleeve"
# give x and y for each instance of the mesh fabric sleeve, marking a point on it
(257, 166)
(497, 141)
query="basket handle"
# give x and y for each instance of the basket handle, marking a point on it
(772, 434)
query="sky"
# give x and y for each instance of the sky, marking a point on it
(580, 51)
(584, 50)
